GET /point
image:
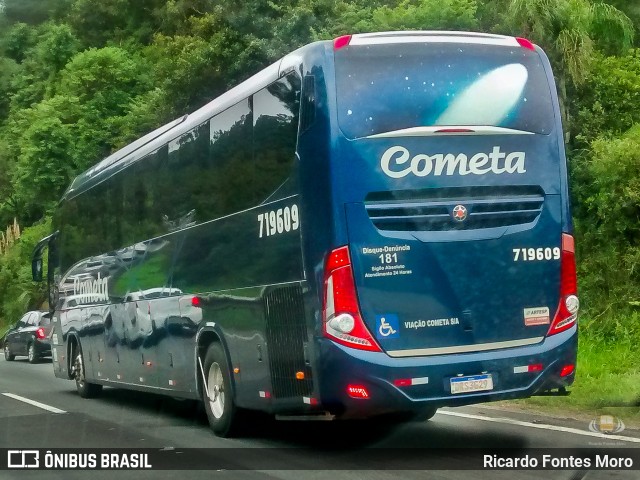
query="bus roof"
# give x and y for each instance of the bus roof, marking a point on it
(432, 36)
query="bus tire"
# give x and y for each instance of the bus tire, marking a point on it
(85, 389)
(399, 418)
(425, 415)
(217, 394)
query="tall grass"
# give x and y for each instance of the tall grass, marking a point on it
(608, 370)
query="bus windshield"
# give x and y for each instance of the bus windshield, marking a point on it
(444, 84)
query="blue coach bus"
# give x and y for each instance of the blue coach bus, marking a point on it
(373, 225)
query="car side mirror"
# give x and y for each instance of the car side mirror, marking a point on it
(36, 269)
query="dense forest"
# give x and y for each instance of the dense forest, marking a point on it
(81, 78)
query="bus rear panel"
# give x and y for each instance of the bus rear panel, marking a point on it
(455, 283)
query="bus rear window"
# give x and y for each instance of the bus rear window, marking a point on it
(384, 88)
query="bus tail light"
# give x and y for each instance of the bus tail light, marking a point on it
(358, 391)
(567, 370)
(454, 130)
(567, 313)
(525, 43)
(342, 41)
(342, 321)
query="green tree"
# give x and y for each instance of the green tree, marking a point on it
(56, 45)
(570, 31)
(105, 79)
(354, 17)
(8, 68)
(190, 69)
(56, 139)
(607, 102)
(609, 243)
(33, 11)
(16, 40)
(113, 21)
(43, 167)
(631, 9)
(18, 293)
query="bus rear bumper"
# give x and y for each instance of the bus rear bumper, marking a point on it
(414, 384)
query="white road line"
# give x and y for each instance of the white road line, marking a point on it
(34, 403)
(540, 426)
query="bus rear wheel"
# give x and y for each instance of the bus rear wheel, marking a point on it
(400, 418)
(85, 389)
(217, 393)
(424, 415)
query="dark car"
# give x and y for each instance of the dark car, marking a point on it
(30, 337)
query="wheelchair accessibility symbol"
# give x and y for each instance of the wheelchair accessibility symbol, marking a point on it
(387, 326)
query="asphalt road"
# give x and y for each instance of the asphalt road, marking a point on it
(124, 419)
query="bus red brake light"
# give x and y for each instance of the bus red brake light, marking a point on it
(567, 313)
(454, 130)
(567, 370)
(569, 282)
(525, 43)
(342, 321)
(342, 41)
(358, 391)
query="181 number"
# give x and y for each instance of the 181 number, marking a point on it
(278, 221)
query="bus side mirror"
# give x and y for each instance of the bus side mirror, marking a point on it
(36, 262)
(36, 269)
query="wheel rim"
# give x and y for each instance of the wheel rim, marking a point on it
(215, 390)
(32, 352)
(79, 371)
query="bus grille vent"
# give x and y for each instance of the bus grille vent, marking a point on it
(432, 209)
(286, 337)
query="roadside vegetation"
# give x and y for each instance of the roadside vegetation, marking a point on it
(80, 78)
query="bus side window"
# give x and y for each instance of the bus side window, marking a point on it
(228, 184)
(275, 128)
(184, 194)
(83, 226)
(308, 103)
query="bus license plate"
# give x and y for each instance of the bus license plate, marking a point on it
(475, 383)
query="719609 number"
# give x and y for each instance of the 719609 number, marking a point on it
(536, 254)
(278, 221)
